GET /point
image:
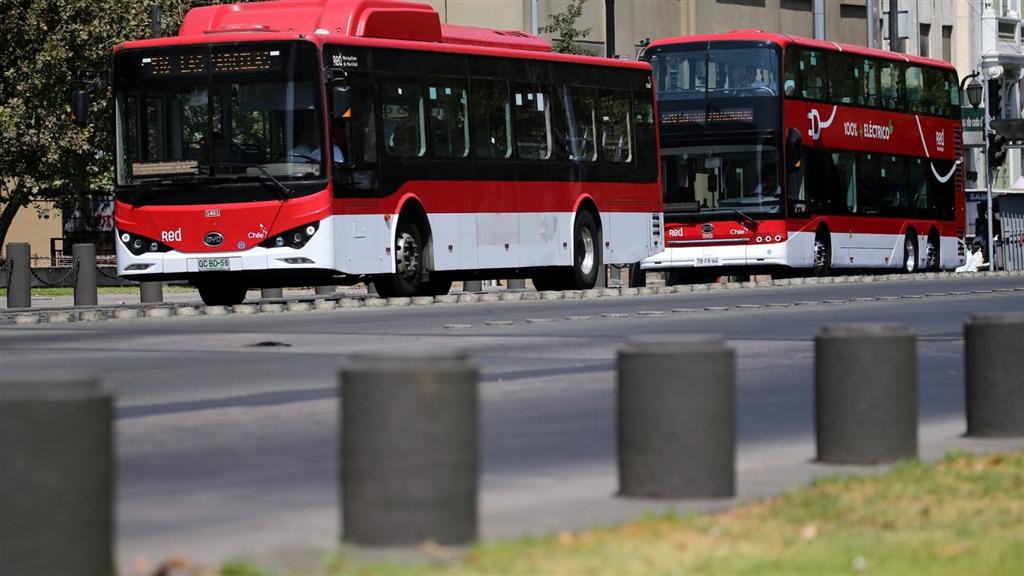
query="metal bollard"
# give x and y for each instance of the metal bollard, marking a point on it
(865, 393)
(266, 293)
(472, 286)
(516, 284)
(151, 292)
(85, 275)
(56, 445)
(325, 289)
(677, 428)
(995, 375)
(19, 286)
(409, 455)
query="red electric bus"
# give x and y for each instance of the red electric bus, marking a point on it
(782, 153)
(335, 141)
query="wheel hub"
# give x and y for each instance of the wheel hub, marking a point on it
(589, 253)
(406, 250)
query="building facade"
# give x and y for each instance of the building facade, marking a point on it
(637, 20)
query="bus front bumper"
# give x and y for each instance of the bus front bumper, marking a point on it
(732, 255)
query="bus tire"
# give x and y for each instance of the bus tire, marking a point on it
(586, 254)
(222, 293)
(408, 277)
(909, 253)
(437, 285)
(933, 255)
(822, 256)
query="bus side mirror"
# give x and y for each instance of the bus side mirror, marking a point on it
(80, 107)
(794, 150)
(341, 100)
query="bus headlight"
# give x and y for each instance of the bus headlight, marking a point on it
(139, 245)
(294, 238)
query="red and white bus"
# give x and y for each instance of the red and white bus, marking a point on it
(782, 153)
(454, 152)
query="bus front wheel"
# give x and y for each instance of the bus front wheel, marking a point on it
(408, 277)
(221, 294)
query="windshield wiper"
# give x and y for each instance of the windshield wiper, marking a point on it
(285, 192)
(745, 217)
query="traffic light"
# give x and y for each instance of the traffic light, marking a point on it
(996, 150)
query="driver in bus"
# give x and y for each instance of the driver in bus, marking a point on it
(750, 78)
(769, 183)
(308, 147)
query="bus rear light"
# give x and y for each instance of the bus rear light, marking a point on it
(778, 237)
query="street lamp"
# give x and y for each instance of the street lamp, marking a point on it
(974, 90)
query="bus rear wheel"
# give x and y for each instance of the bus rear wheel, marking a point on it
(586, 258)
(408, 277)
(909, 254)
(933, 261)
(822, 265)
(221, 294)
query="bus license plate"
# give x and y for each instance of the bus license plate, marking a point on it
(214, 264)
(706, 261)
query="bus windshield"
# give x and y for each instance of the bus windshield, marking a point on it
(699, 71)
(721, 180)
(218, 113)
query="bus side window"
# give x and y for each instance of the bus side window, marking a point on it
(490, 121)
(916, 103)
(613, 117)
(582, 126)
(403, 117)
(532, 107)
(813, 72)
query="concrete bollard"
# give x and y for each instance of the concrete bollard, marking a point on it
(19, 287)
(677, 429)
(85, 274)
(323, 290)
(602, 277)
(409, 450)
(473, 286)
(517, 284)
(271, 293)
(995, 375)
(865, 393)
(151, 292)
(56, 445)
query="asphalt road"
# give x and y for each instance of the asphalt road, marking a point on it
(227, 426)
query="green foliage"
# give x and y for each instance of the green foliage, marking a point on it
(563, 27)
(44, 156)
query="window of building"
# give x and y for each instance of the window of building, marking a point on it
(923, 38)
(947, 43)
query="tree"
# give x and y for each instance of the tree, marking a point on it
(43, 156)
(563, 27)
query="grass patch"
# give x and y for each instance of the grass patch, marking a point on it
(112, 290)
(962, 515)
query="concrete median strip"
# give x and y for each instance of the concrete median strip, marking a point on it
(340, 302)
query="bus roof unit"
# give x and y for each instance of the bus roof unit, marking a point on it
(388, 19)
